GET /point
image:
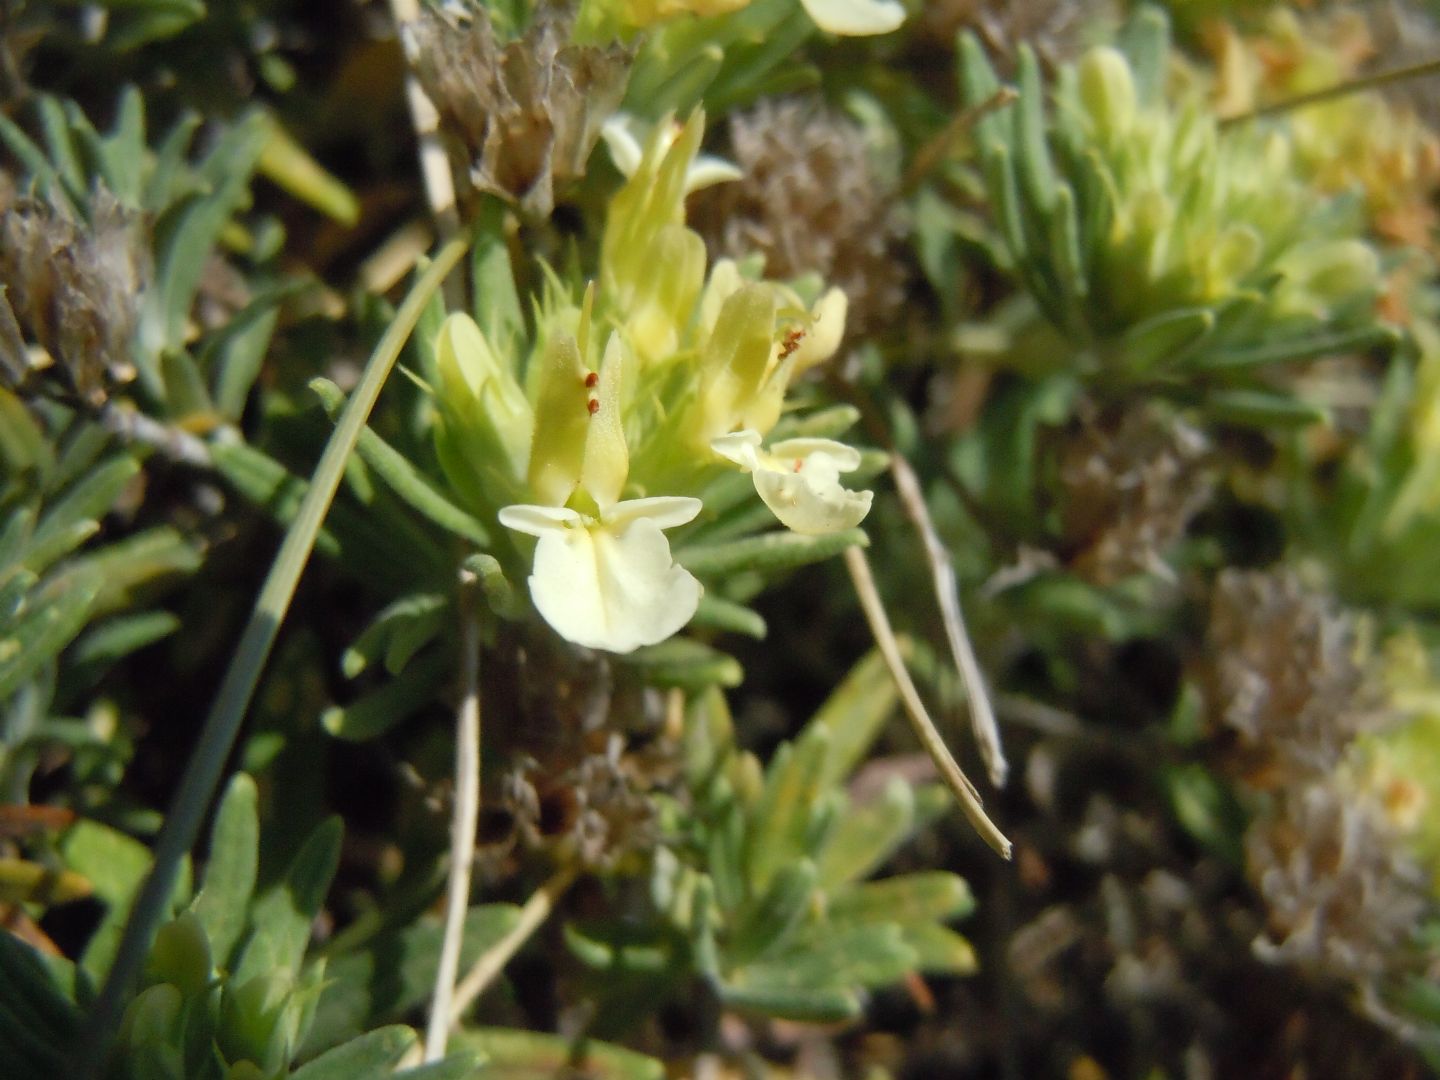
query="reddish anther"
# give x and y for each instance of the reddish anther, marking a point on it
(593, 406)
(790, 342)
(591, 380)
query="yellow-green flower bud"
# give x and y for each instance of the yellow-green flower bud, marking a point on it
(1107, 90)
(661, 302)
(1323, 273)
(484, 428)
(153, 1024)
(734, 392)
(255, 1022)
(181, 955)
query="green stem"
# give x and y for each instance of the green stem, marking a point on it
(202, 774)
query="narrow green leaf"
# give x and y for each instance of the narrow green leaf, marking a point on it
(33, 159)
(1263, 409)
(115, 864)
(128, 565)
(830, 954)
(1145, 40)
(854, 714)
(168, 172)
(978, 84)
(1165, 340)
(282, 916)
(1032, 152)
(123, 151)
(686, 664)
(372, 1055)
(223, 903)
(926, 895)
(939, 950)
(53, 621)
(404, 479)
(779, 998)
(63, 152)
(866, 836)
(107, 642)
(22, 444)
(267, 483)
(721, 614)
(1336, 343)
(464, 1065)
(765, 923)
(89, 500)
(511, 1054)
(497, 303)
(417, 616)
(37, 1023)
(768, 552)
(780, 824)
(373, 714)
(396, 973)
(235, 355)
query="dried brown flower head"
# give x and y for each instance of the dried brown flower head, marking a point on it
(1131, 480)
(809, 201)
(72, 286)
(1283, 672)
(524, 116)
(1343, 896)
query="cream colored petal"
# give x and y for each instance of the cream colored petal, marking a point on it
(827, 329)
(708, 170)
(622, 142)
(539, 520)
(805, 504)
(855, 18)
(844, 458)
(612, 588)
(741, 447)
(666, 511)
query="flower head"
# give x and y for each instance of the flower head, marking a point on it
(608, 582)
(799, 480)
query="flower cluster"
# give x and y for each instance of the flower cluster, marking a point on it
(633, 399)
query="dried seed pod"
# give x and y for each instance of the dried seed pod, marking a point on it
(74, 288)
(525, 115)
(809, 201)
(1283, 671)
(1131, 482)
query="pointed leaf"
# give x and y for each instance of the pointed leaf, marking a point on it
(223, 902)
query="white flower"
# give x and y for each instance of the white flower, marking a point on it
(855, 18)
(609, 582)
(626, 137)
(799, 480)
